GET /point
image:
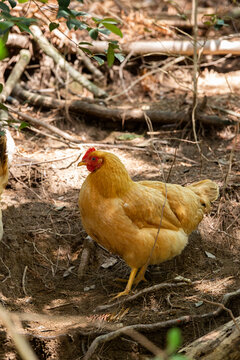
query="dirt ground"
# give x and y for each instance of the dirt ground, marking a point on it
(43, 241)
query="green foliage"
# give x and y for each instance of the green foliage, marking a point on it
(12, 3)
(74, 20)
(3, 49)
(3, 107)
(98, 59)
(103, 26)
(113, 28)
(93, 33)
(174, 341)
(7, 21)
(110, 54)
(214, 20)
(23, 125)
(53, 26)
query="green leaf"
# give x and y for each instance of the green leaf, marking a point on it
(86, 50)
(94, 33)
(63, 13)
(85, 43)
(4, 7)
(81, 13)
(114, 29)
(3, 107)
(207, 23)
(23, 125)
(24, 27)
(12, 3)
(98, 59)
(53, 26)
(1, 87)
(5, 25)
(110, 21)
(76, 24)
(3, 49)
(96, 20)
(4, 29)
(110, 55)
(104, 31)
(114, 42)
(174, 340)
(179, 357)
(22, 1)
(75, 13)
(63, 3)
(219, 24)
(120, 57)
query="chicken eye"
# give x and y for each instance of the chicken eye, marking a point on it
(93, 158)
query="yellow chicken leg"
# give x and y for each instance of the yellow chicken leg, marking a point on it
(129, 284)
(140, 275)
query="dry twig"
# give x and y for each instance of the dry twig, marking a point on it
(141, 293)
(156, 326)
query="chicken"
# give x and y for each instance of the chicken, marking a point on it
(6, 152)
(144, 222)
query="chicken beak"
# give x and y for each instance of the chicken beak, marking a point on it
(82, 163)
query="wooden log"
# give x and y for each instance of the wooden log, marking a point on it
(174, 47)
(222, 343)
(115, 114)
(50, 50)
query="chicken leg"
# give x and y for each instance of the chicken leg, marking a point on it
(140, 275)
(129, 284)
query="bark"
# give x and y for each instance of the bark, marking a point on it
(41, 123)
(114, 114)
(58, 59)
(18, 40)
(221, 344)
(174, 47)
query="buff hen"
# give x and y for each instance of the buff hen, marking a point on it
(6, 152)
(125, 216)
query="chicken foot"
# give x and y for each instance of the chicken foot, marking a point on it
(140, 275)
(129, 284)
(133, 279)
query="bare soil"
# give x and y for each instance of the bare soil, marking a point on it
(43, 241)
(42, 246)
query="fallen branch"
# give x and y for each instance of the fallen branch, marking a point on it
(174, 47)
(113, 114)
(24, 58)
(45, 125)
(160, 325)
(88, 245)
(22, 346)
(142, 292)
(18, 40)
(220, 344)
(58, 59)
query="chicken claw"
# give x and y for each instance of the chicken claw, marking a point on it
(129, 284)
(122, 293)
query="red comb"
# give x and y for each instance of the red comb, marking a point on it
(89, 151)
